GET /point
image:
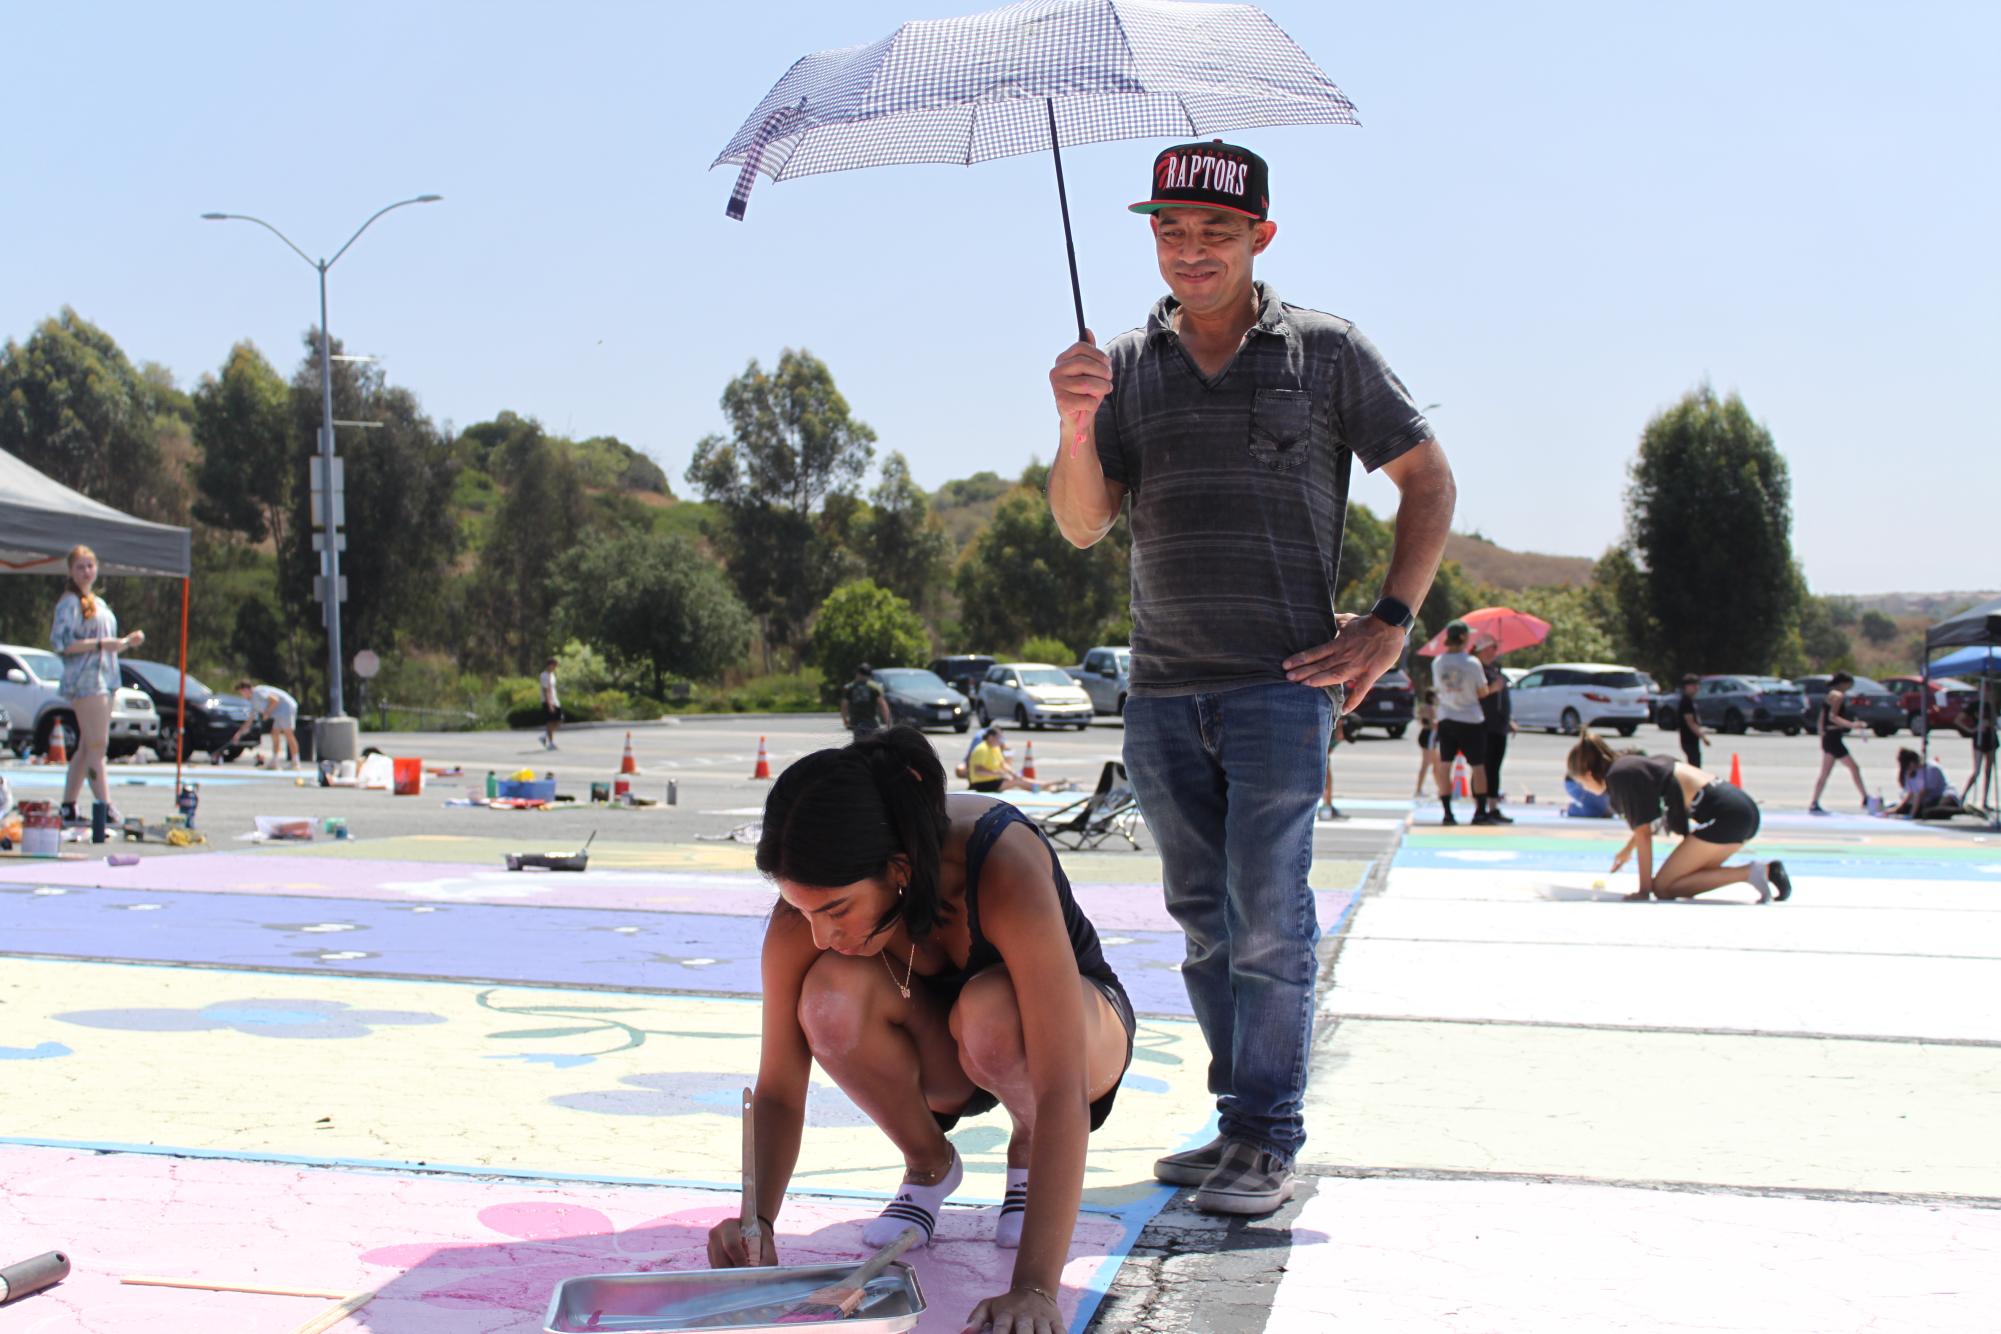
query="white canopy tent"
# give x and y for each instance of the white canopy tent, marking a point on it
(41, 519)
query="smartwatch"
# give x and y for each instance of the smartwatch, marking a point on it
(1393, 613)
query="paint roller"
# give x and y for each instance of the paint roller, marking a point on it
(43, 1271)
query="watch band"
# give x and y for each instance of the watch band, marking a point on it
(1390, 611)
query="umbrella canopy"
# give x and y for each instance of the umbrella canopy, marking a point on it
(970, 89)
(1974, 661)
(1507, 627)
(1975, 625)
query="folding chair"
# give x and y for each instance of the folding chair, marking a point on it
(1110, 810)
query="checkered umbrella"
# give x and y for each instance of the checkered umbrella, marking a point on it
(1030, 76)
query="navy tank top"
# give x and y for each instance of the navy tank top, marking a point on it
(982, 954)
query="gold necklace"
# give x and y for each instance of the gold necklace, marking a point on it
(909, 971)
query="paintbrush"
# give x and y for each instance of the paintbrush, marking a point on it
(752, 1229)
(839, 1299)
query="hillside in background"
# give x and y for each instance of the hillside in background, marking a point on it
(1488, 563)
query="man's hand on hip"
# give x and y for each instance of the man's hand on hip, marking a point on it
(1362, 650)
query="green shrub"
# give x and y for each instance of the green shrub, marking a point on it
(1044, 648)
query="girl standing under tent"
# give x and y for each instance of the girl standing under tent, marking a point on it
(1712, 818)
(1979, 724)
(85, 635)
(1835, 725)
(928, 953)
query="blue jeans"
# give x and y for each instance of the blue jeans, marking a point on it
(1228, 784)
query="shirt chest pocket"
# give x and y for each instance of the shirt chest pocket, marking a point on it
(1281, 428)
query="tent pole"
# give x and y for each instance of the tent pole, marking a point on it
(181, 714)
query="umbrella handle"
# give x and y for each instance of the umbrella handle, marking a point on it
(1063, 202)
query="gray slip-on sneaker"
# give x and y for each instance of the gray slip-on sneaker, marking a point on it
(1249, 1180)
(1190, 1167)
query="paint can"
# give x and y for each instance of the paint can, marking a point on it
(673, 792)
(492, 785)
(41, 829)
(600, 793)
(621, 788)
(187, 800)
(334, 826)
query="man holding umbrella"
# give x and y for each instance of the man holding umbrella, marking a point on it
(1231, 420)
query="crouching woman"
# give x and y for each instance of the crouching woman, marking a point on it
(928, 953)
(1712, 818)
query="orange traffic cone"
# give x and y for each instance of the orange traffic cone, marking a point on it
(628, 765)
(1736, 771)
(1028, 762)
(763, 769)
(1462, 781)
(58, 752)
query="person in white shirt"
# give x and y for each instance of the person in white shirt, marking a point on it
(268, 702)
(552, 708)
(1461, 682)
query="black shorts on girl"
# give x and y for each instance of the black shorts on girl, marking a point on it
(1723, 814)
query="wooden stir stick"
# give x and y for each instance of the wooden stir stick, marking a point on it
(752, 1229)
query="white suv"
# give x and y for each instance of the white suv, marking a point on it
(1032, 694)
(1569, 696)
(31, 692)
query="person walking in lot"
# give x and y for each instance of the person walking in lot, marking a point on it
(1461, 682)
(1712, 819)
(270, 704)
(1498, 712)
(864, 704)
(1427, 739)
(1328, 811)
(85, 635)
(1688, 723)
(552, 707)
(928, 953)
(1983, 732)
(1231, 421)
(1835, 724)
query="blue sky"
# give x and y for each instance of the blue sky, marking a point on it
(1556, 218)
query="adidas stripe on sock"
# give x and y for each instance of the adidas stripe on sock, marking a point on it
(1014, 1208)
(914, 1206)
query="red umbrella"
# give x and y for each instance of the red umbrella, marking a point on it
(1510, 628)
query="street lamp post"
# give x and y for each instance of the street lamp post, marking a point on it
(330, 556)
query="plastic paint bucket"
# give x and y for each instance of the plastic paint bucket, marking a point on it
(409, 779)
(41, 829)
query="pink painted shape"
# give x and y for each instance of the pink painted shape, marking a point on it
(733, 894)
(447, 1254)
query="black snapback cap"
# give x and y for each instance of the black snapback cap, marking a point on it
(1210, 175)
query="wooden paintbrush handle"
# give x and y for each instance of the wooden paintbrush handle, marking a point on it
(333, 1315)
(753, 1231)
(847, 1294)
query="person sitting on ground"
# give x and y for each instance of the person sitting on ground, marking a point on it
(987, 769)
(1927, 791)
(1712, 818)
(269, 703)
(928, 953)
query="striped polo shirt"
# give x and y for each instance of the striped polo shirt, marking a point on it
(1239, 487)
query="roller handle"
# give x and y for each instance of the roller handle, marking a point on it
(18, 1280)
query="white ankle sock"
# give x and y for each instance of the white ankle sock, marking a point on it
(1761, 881)
(914, 1206)
(1014, 1208)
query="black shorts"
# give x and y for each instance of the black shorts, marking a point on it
(552, 713)
(984, 1101)
(989, 785)
(1723, 814)
(1835, 744)
(1987, 740)
(1691, 749)
(1424, 738)
(1468, 739)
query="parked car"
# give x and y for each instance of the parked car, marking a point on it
(1032, 694)
(1950, 696)
(1391, 705)
(963, 672)
(1569, 696)
(212, 718)
(916, 696)
(1868, 702)
(1738, 704)
(31, 693)
(1103, 674)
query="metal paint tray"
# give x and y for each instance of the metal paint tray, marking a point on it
(687, 1301)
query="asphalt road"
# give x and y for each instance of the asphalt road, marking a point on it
(710, 760)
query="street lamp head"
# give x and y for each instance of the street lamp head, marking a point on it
(429, 199)
(215, 217)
